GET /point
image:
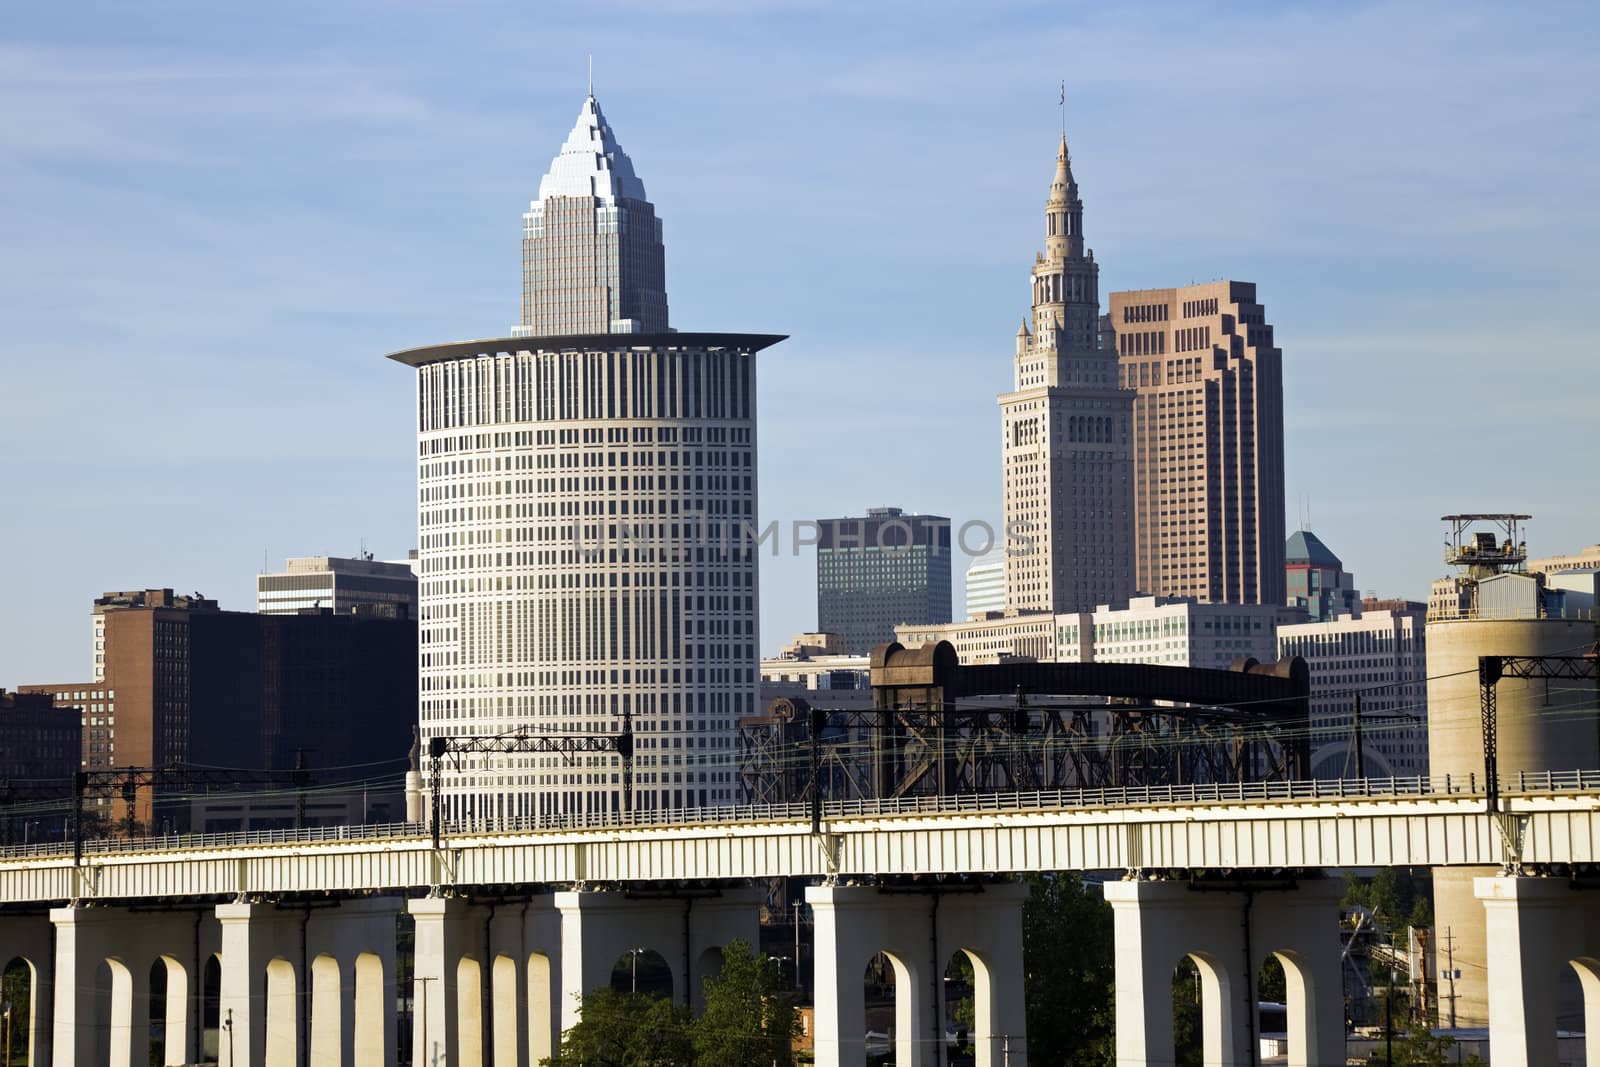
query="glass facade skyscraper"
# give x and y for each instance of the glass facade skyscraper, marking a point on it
(877, 572)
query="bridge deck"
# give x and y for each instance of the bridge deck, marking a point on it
(1408, 822)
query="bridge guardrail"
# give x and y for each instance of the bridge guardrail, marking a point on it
(1114, 797)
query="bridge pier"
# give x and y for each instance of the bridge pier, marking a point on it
(307, 983)
(28, 938)
(919, 930)
(105, 1018)
(1228, 931)
(1536, 927)
(689, 931)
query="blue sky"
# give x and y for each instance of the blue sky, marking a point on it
(216, 223)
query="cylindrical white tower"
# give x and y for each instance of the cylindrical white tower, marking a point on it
(587, 520)
(1542, 726)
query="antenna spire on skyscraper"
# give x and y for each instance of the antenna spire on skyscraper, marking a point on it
(591, 78)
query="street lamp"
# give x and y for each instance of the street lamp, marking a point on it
(635, 955)
(797, 906)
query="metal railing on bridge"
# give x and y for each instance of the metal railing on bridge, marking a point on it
(1034, 800)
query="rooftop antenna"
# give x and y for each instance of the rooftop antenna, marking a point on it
(591, 75)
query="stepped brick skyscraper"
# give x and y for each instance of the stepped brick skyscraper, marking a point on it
(584, 488)
(1066, 453)
(592, 257)
(1208, 442)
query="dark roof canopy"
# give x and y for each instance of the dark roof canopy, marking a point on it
(1305, 547)
(584, 342)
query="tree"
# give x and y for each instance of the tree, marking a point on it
(749, 1016)
(1187, 1030)
(1068, 963)
(1422, 1048)
(14, 990)
(627, 1030)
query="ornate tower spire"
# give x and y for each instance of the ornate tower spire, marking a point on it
(1064, 210)
(1066, 283)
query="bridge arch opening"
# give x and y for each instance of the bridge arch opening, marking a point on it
(469, 1012)
(1203, 1011)
(964, 973)
(19, 987)
(889, 990)
(642, 970)
(327, 1024)
(170, 993)
(283, 1018)
(371, 1028)
(211, 1009)
(1285, 995)
(124, 1022)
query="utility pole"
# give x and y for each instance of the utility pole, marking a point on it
(1388, 1009)
(1450, 971)
(424, 1036)
(1361, 759)
(797, 906)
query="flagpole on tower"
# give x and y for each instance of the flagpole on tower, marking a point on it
(1063, 111)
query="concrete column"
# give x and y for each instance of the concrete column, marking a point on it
(919, 932)
(352, 945)
(1157, 923)
(508, 985)
(130, 1014)
(1534, 926)
(541, 968)
(29, 938)
(448, 932)
(81, 1017)
(987, 926)
(254, 937)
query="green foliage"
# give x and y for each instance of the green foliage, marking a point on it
(1186, 1026)
(749, 1019)
(14, 991)
(1396, 898)
(749, 1016)
(627, 1030)
(1069, 962)
(1422, 1048)
(1270, 982)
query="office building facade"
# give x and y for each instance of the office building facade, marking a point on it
(311, 583)
(196, 685)
(985, 589)
(1207, 441)
(1171, 633)
(878, 571)
(1380, 652)
(1066, 452)
(1315, 579)
(586, 510)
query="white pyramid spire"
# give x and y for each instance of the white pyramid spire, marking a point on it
(591, 163)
